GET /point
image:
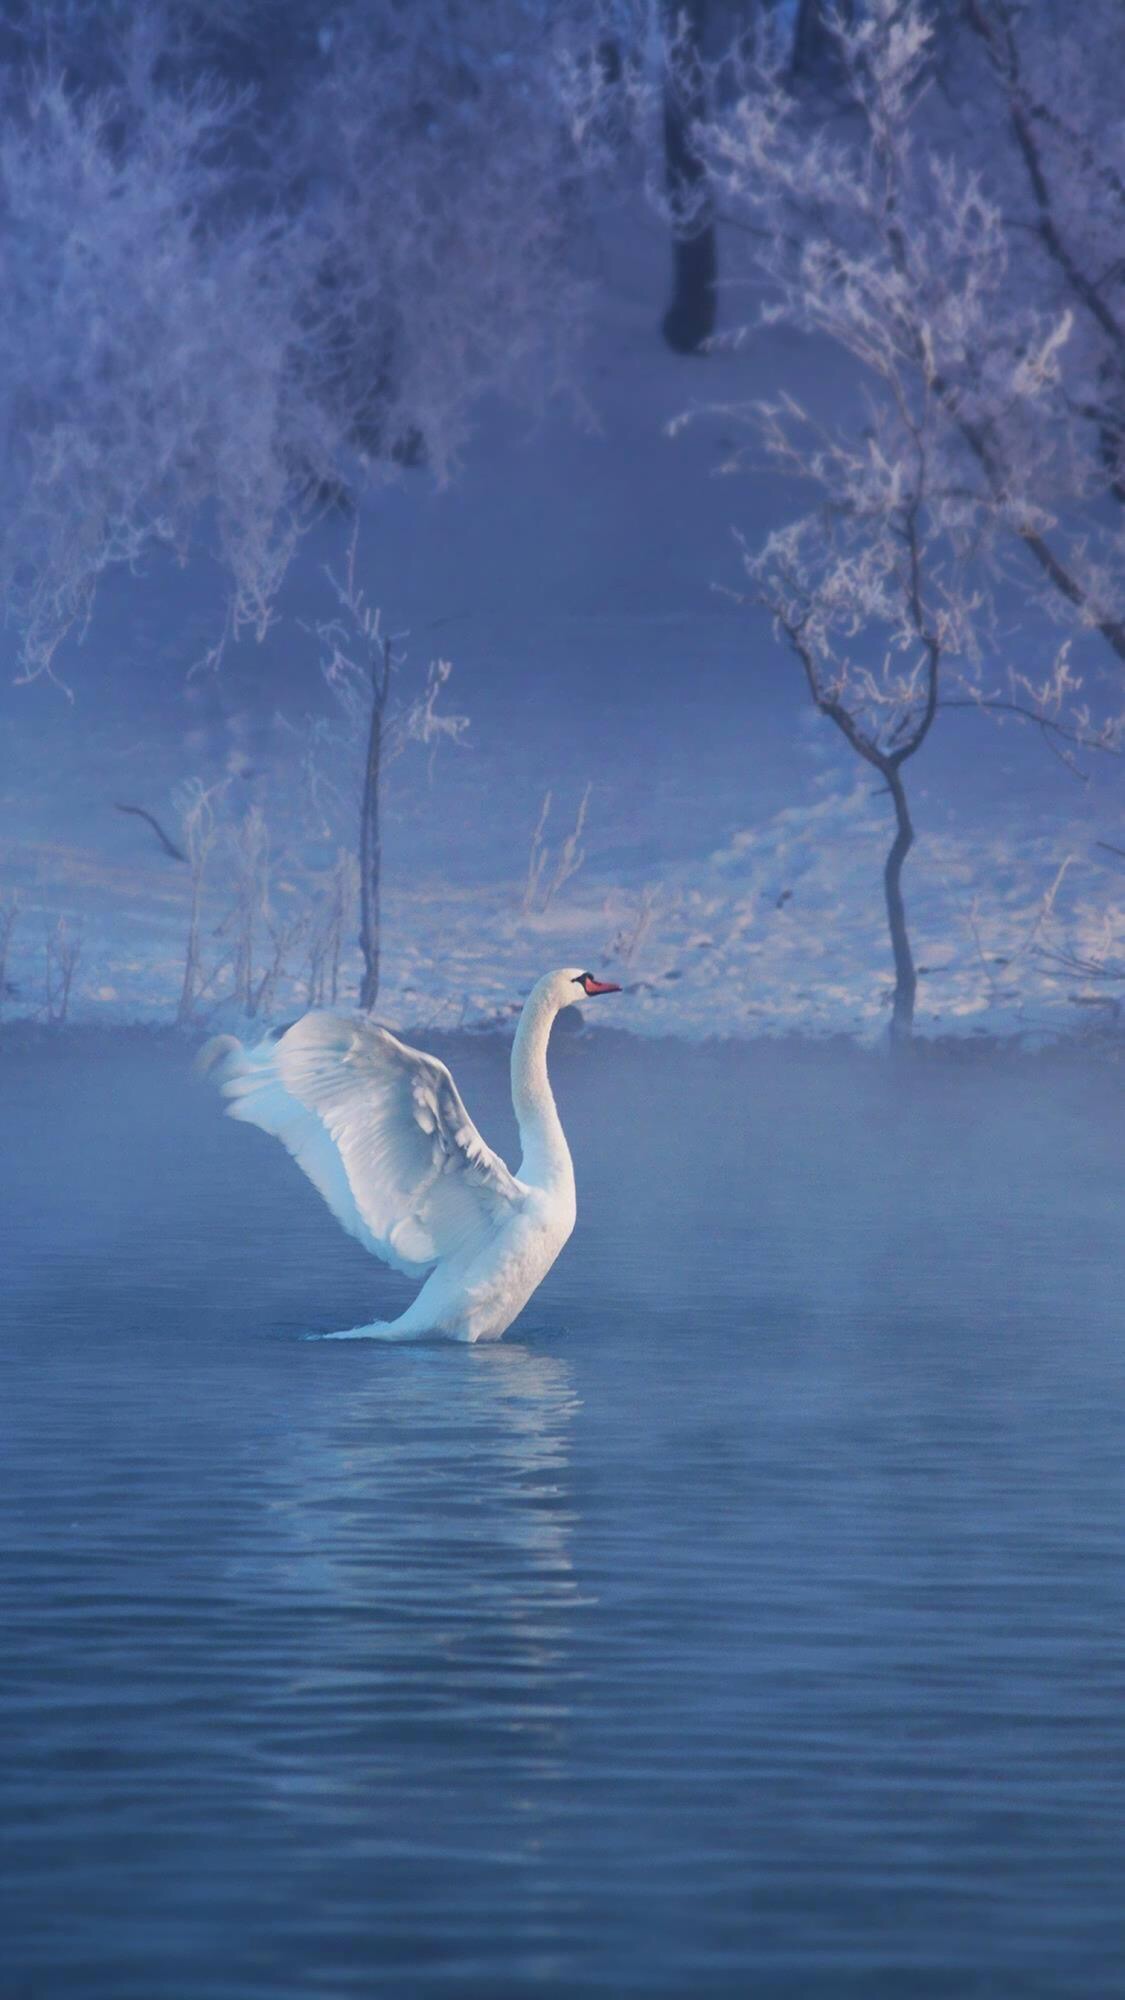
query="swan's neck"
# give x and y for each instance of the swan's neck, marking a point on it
(546, 1156)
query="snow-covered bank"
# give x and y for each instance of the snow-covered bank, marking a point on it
(780, 929)
(733, 858)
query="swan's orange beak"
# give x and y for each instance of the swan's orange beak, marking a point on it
(591, 986)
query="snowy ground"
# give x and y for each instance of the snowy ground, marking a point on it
(733, 849)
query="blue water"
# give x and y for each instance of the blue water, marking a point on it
(752, 1621)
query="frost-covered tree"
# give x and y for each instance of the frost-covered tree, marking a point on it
(131, 393)
(223, 303)
(1062, 171)
(987, 269)
(976, 292)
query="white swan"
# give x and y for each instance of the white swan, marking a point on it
(381, 1130)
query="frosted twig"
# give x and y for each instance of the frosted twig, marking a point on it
(571, 855)
(537, 856)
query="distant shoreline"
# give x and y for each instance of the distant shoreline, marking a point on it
(1031, 1047)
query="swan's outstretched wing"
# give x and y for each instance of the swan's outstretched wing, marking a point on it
(379, 1129)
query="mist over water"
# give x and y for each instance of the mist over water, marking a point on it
(751, 1619)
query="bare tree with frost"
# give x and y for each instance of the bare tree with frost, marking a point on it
(360, 662)
(9, 916)
(221, 307)
(978, 420)
(200, 827)
(63, 949)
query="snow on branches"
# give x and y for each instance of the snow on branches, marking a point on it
(224, 308)
(970, 292)
(970, 281)
(143, 354)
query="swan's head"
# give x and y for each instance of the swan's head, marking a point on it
(569, 985)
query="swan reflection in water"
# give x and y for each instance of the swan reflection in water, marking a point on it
(413, 1551)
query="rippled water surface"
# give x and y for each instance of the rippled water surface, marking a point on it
(751, 1621)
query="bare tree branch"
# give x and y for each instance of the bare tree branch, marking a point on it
(169, 845)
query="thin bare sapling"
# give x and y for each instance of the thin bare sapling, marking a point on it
(9, 915)
(329, 921)
(200, 829)
(360, 663)
(249, 848)
(265, 932)
(63, 949)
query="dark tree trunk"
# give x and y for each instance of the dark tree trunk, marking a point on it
(690, 318)
(812, 41)
(371, 857)
(906, 978)
(808, 36)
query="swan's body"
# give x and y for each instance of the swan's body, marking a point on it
(381, 1131)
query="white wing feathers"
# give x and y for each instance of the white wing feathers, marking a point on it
(380, 1130)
